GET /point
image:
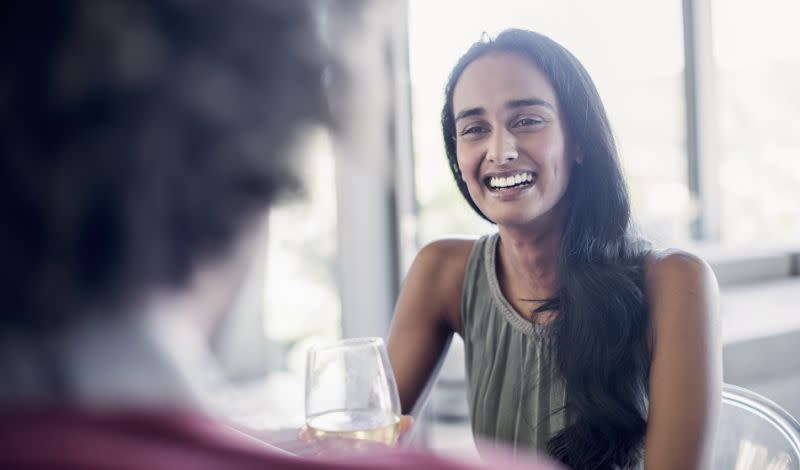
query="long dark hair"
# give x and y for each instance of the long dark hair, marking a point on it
(601, 333)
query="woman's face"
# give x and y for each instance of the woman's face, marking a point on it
(510, 143)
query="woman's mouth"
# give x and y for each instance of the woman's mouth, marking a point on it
(510, 181)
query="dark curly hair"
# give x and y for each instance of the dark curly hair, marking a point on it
(601, 332)
(138, 138)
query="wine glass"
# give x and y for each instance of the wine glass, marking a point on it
(351, 392)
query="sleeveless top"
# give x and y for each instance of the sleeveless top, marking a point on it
(516, 397)
(515, 394)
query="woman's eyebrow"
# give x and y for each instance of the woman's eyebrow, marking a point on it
(521, 103)
(470, 112)
(518, 103)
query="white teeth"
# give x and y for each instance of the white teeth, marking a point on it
(504, 182)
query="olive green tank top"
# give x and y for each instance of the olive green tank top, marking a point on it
(515, 396)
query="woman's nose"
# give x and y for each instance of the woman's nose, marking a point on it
(502, 148)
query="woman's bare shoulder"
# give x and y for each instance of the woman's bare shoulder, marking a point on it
(438, 274)
(667, 264)
(451, 248)
(681, 289)
(444, 261)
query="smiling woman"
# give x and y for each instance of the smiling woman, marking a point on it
(580, 339)
(509, 126)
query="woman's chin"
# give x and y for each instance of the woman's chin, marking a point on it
(512, 220)
(522, 218)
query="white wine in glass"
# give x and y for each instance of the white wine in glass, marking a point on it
(351, 392)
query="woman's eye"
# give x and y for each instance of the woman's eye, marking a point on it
(524, 122)
(473, 130)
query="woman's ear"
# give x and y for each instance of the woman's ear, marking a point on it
(578, 156)
(575, 153)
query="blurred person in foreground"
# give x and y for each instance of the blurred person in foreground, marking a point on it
(142, 142)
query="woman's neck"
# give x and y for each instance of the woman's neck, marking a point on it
(528, 257)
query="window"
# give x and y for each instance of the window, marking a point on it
(758, 68)
(301, 296)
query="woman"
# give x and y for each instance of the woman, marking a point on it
(580, 340)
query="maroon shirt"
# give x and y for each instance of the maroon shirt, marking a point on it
(170, 439)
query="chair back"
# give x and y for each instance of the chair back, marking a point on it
(755, 433)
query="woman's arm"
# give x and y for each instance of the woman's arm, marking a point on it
(686, 365)
(427, 313)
